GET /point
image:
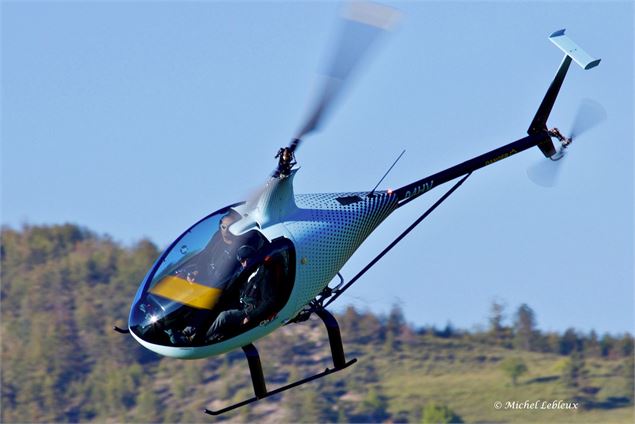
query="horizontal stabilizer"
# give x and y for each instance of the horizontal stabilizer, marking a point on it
(572, 52)
(571, 49)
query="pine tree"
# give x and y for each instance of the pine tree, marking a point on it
(148, 405)
(629, 378)
(573, 372)
(592, 345)
(569, 342)
(310, 410)
(394, 325)
(524, 325)
(497, 315)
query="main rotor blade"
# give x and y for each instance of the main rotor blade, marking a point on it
(363, 24)
(590, 113)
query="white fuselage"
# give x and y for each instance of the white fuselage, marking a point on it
(325, 233)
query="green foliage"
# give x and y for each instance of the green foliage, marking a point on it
(569, 342)
(573, 371)
(435, 414)
(524, 325)
(497, 331)
(628, 375)
(394, 326)
(148, 409)
(63, 287)
(373, 407)
(514, 367)
(310, 410)
(373, 401)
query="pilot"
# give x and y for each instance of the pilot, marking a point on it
(257, 296)
(217, 261)
(224, 250)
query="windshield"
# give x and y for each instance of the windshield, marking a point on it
(212, 285)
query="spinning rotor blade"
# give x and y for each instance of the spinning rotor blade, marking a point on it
(363, 24)
(590, 114)
(547, 172)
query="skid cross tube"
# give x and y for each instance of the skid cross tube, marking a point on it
(257, 376)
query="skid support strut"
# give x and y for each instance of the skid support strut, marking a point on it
(257, 376)
(255, 369)
(335, 337)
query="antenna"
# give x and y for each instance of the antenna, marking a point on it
(371, 194)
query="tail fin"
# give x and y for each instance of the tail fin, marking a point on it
(572, 52)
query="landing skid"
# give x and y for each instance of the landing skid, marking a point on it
(257, 376)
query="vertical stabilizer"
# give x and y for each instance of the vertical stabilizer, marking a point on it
(572, 52)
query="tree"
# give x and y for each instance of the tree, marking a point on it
(524, 326)
(148, 409)
(370, 328)
(629, 378)
(624, 345)
(447, 332)
(573, 371)
(497, 315)
(350, 323)
(439, 414)
(311, 408)
(374, 406)
(394, 325)
(592, 345)
(569, 342)
(607, 345)
(514, 368)
(342, 417)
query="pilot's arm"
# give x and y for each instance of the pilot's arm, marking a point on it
(266, 298)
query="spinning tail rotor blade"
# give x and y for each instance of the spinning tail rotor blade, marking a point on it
(547, 172)
(589, 115)
(363, 24)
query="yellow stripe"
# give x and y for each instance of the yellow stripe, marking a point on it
(191, 294)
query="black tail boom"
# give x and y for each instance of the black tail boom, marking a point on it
(411, 191)
(539, 135)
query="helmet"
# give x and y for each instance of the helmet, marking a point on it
(245, 252)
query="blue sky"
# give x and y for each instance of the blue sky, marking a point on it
(137, 119)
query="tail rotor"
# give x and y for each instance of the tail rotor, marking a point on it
(589, 115)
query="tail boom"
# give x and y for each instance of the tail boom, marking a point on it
(411, 191)
(539, 135)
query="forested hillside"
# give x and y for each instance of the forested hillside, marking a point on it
(63, 287)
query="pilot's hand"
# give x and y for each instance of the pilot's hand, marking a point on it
(245, 320)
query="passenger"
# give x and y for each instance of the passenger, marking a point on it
(257, 296)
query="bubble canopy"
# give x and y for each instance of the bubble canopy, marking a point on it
(211, 285)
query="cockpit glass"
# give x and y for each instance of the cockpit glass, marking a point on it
(211, 285)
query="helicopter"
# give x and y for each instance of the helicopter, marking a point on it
(249, 268)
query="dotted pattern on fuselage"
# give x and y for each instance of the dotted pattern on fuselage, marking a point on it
(327, 234)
